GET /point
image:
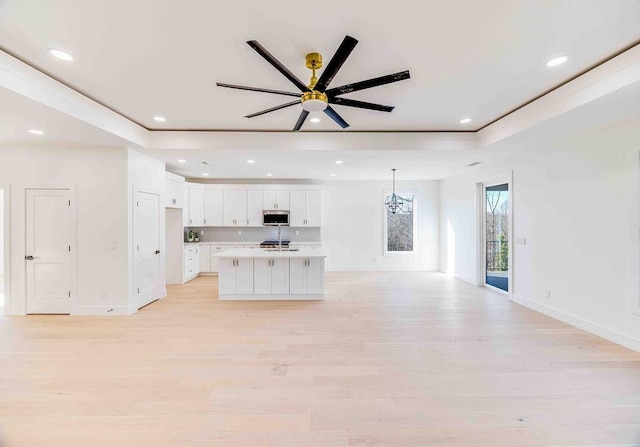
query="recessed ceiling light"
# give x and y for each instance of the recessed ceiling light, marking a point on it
(251, 161)
(557, 61)
(338, 162)
(269, 175)
(160, 119)
(63, 55)
(333, 175)
(205, 173)
(36, 132)
(465, 120)
(182, 160)
(315, 120)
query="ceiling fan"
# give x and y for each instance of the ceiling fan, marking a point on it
(316, 96)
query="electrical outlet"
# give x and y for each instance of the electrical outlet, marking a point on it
(547, 294)
(103, 295)
(239, 232)
(297, 232)
(521, 241)
(201, 232)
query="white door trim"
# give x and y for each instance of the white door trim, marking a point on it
(73, 230)
(133, 304)
(8, 303)
(481, 208)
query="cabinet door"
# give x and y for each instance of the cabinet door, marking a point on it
(282, 199)
(297, 208)
(185, 206)
(244, 276)
(197, 260)
(262, 276)
(227, 277)
(312, 209)
(270, 200)
(254, 208)
(315, 276)
(280, 277)
(196, 207)
(213, 207)
(297, 272)
(205, 258)
(234, 207)
(178, 194)
(169, 197)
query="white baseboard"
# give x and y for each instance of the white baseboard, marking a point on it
(376, 268)
(596, 329)
(163, 294)
(103, 310)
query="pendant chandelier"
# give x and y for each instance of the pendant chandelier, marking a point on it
(394, 202)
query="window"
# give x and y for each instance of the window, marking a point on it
(400, 227)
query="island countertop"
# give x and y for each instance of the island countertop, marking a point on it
(263, 253)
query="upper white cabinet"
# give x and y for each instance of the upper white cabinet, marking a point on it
(275, 199)
(234, 207)
(185, 206)
(213, 208)
(173, 191)
(254, 208)
(305, 208)
(196, 205)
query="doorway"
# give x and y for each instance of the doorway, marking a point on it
(50, 253)
(146, 231)
(497, 236)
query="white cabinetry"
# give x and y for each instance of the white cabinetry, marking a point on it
(305, 208)
(307, 276)
(275, 199)
(173, 193)
(204, 258)
(234, 207)
(236, 276)
(196, 205)
(191, 262)
(254, 208)
(212, 207)
(271, 276)
(185, 205)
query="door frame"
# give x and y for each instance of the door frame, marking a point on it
(6, 191)
(73, 283)
(481, 207)
(133, 303)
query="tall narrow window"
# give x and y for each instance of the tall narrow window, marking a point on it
(400, 227)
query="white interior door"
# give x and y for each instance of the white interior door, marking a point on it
(49, 256)
(146, 231)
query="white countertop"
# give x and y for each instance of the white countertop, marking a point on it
(292, 243)
(262, 253)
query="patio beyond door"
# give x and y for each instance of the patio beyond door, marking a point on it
(496, 236)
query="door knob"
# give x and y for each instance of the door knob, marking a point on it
(31, 258)
(157, 252)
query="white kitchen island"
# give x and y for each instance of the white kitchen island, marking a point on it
(259, 274)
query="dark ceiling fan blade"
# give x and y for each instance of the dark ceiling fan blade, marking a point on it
(337, 118)
(273, 109)
(360, 104)
(278, 65)
(343, 52)
(374, 82)
(258, 89)
(301, 119)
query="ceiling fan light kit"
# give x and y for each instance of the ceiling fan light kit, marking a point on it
(316, 96)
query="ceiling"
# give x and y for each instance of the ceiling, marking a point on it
(467, 58)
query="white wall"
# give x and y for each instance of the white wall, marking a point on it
(576, 201)
(149, 174)
(99, 177)
(1, 232)
(352, 225)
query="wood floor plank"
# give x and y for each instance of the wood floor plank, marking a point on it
(387, 359)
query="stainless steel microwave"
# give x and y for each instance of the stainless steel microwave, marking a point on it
(273, 218)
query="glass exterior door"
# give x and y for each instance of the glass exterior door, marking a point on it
(497, 236)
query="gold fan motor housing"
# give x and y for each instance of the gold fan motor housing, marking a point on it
(306, 96)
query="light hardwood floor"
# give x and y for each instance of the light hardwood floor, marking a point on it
(389, 359)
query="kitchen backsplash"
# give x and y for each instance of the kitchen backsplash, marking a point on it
(255, 234)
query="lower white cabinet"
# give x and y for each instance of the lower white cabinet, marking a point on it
(236, 276)
(191, 262)
(205, 258)
(307, 276)
(271, 276)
